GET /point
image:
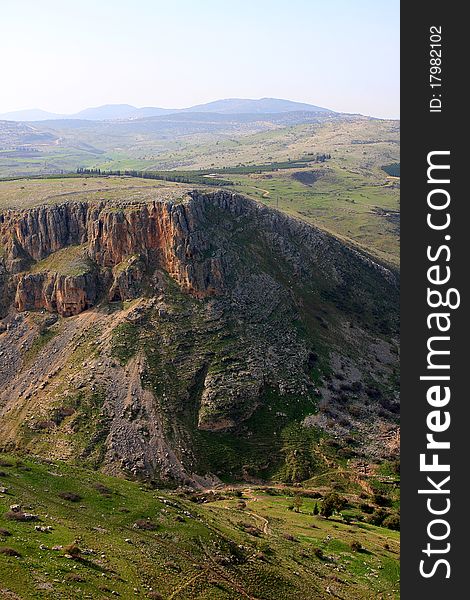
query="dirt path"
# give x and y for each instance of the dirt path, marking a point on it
(264, 520)
(266, 193)
(255, 515)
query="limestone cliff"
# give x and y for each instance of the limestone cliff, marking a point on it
(62, 294)
(192, 333)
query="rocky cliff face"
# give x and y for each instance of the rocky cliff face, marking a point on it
(165, 235)
(191, 334)
(62, 294)
(173, 237)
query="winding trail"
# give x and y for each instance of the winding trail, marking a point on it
(266, 193)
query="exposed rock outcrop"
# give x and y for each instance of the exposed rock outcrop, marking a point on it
(62, 294)
(236, 310)
(184, 239)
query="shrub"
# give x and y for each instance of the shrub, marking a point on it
(74, 577)
(145, 524)
(392, 522)
(381, 500)
(332, 443)
(45, 425)
(318, 553)
(102, 489)
(61, 413)
(355, 410)
(265, 548)
(155, 596)
(373, 392)
(19, 515)
(378, 517)
(356, 546)
(72, 550)
(249, 528)
(289, 537)
(70, 496)
(356, 386)
(298, 501)
(7, 551)
(4, 532)
(315, 509)
(366, 508)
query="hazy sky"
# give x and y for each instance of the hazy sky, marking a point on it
(65, 55)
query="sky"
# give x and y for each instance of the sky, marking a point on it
(66, 55)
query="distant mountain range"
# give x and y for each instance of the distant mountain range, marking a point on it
(127, 111)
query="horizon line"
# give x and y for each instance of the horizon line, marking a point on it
(183, 108)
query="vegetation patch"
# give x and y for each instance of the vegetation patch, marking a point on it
(71, 261)
(125, 342)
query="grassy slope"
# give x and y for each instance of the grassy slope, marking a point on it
(27, 193)
(70, 261)
(352, 143)
(339, 201)
(207, 555)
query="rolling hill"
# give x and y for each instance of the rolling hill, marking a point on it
(127, 111)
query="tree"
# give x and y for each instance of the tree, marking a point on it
(298, 501)
(315, 509)
(326, 508)
(333, 502)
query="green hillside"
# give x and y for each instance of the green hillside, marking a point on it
(95, 536)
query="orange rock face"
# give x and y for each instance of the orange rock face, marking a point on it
(62, 294)
(164, 235)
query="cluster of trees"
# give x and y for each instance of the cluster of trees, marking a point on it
(206, 176)
(175, 176)
(322, 157)
(333, 503)
(275, 166)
